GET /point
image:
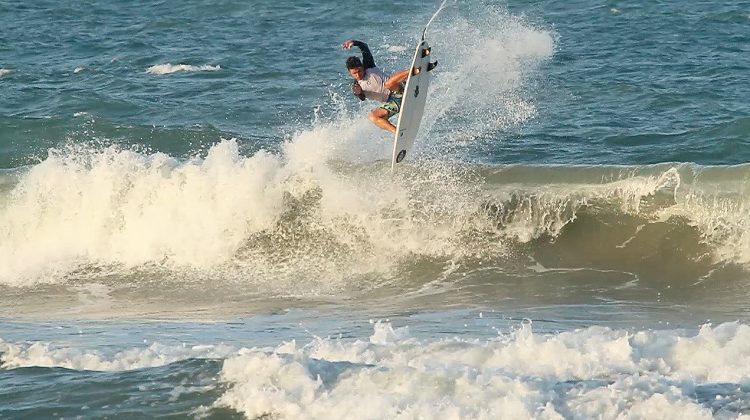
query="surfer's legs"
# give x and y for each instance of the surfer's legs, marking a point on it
(383, 113)
(395, 82)
(379, 116)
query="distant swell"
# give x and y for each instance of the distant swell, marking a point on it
(177, 68)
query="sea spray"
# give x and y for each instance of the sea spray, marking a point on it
(483, 84)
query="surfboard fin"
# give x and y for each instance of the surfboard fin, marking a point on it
(416, 70)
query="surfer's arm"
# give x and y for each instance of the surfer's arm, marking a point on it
(367, 60)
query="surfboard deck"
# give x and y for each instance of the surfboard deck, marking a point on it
(412, 104)
(414, 99)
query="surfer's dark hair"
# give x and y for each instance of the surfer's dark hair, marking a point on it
(353, 62)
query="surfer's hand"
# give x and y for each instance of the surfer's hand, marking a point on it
(356, 88)
(347, 44)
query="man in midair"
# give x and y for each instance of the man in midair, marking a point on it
(370, 82)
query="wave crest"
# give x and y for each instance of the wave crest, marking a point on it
(168, 68)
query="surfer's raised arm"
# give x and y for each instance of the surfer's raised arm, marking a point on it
(367, 59)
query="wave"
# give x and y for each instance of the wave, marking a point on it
(729, 132)
(168, 68)
(272, 217)
(318, 212)
(41, 354)
(583, 373)
(521, 373)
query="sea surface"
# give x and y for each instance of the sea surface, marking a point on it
(197, 219)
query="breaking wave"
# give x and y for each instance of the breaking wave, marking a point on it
(288, 217)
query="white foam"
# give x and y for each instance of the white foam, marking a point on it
(595, 372)
(176, 68)
(5, 72)
(117, 207)
(395, 48)
(592, 372)
(15, 355)
(79, 69)
(102, 206)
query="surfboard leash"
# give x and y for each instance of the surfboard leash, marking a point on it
(424, 31)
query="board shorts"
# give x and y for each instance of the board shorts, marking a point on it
(393, 104)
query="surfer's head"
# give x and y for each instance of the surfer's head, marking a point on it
(356, 68)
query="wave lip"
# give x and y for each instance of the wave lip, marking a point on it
(168, 68)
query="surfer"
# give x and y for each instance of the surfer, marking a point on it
(370, 82)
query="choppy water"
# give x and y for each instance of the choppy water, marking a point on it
(196, 218)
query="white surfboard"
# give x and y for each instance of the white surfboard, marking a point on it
(412, 104)
(414, 99)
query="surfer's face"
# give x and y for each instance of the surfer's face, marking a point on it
(357, 73)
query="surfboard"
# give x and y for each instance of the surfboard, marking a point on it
(414, 99)
(412, 104)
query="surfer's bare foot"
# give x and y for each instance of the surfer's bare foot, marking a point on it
(415, 71)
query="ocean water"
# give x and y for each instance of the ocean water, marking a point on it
(197, 220)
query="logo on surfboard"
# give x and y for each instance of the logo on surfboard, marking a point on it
(416, 91)
(401, 156)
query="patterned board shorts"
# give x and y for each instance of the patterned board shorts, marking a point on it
(393, 104)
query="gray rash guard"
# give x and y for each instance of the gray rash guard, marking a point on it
(373, 83)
